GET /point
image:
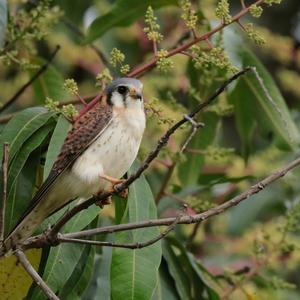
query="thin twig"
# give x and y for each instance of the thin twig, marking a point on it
(245, 278)
(40, 71)
(193, 235)
(188, 54)
(243, 4)
(34, 275)
(4, 194)
(166, 180)
(152, 155)
(138, 245)
(195, 127)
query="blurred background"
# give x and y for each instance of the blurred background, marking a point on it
(248, 252)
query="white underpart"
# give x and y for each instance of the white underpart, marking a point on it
(112, 153)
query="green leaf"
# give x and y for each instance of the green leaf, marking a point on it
(63, 259)
(60, 265)
(29, 146)
(57, 139)
(49, 84)
(190, 169)
(80, 277)
(244, 112)
(192, 282)
(100, 281)
(123, 14)
(22, 126)
(16, 203)
(181, 279)
(3, 21)
(270, 109)
(21, 193)
(74, 9)
(166, 286)
(134, 272)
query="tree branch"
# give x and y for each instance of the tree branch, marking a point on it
(40, 71)
(34, 275)
(138, 245)
(4, 194)
(198, 218)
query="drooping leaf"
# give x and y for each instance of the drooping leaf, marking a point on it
(29, 146)
(21, 193)
(134, 273)
(244, 112)
(175, 268)
(269, 107)
(57, 139)
(17, 199)
(63, 259)
(80, 277)
(60, 265)
(123, 14)
(49, 84)
(100, 281)
(22, 126)
(3, 20)
(166, 286)
(190, 280)
(74, 9)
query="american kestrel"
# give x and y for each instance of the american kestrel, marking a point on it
(98, 150)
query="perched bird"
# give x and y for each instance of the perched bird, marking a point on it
(99, 149)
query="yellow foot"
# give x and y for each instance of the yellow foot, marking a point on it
(112, 179)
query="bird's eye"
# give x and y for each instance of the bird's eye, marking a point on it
(122, 89)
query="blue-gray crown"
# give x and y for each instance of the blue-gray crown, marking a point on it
(123, 81)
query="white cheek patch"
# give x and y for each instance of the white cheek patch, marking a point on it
(117, 100)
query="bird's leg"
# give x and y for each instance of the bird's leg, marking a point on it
(114, 181)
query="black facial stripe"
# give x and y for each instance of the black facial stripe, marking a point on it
(109, 95)
(124, 96)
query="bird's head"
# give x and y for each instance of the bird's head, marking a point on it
(125, 93)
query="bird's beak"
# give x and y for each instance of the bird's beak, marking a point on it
(135, 94)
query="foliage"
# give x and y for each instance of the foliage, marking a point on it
(248, 252)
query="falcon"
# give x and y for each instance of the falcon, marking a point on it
(98, 150)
